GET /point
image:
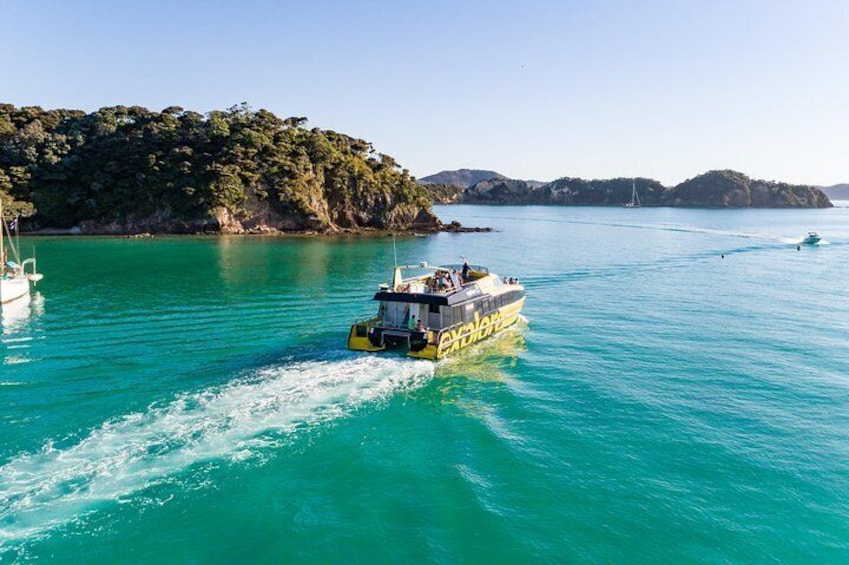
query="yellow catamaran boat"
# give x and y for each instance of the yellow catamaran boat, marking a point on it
(438, 311)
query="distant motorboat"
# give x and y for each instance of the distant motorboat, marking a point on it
(812, 238)
(635, 198)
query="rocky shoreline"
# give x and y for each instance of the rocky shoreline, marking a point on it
(212, 226)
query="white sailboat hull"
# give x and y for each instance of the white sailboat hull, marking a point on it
(13, 289)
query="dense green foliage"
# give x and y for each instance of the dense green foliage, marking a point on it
(714, 189)
(463, 178)
(564, 191)
(731, 189)
(128, 165)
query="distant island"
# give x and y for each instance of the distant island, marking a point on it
(836, 191)
(129, 170)
(461, 177)
(713, 189)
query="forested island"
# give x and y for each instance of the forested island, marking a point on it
(123, 170)
(714, 189)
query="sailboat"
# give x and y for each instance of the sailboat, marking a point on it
(635, 198)
(14, 279)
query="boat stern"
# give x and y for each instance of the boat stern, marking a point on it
(358, 337)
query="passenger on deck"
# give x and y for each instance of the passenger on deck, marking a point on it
(419, 326)
(412, 323)
(431, 283)
(465, 270)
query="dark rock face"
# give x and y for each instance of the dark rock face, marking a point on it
(263, 220)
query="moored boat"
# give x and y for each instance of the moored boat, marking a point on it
(438, 310)
(635, 198)
(14, 279)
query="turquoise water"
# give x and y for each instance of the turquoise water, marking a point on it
(192, 400)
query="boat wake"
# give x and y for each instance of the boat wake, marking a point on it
(239, 420)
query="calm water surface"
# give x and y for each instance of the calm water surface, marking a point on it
(192, 400)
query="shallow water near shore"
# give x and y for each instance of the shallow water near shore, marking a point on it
(678, 393)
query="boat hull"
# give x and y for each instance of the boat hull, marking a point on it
(433, 344)
(13, 289)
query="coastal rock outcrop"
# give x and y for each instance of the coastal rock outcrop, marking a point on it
(125, 170)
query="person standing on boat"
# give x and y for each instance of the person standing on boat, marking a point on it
(412, 323)
(465, 270)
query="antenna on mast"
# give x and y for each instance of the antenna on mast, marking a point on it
(394, 250)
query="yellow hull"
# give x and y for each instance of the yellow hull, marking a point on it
(358, 337)
(450, 340)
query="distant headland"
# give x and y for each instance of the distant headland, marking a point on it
(129, 170)
(713, 189)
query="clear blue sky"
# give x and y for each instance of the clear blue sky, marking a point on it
(532, 89)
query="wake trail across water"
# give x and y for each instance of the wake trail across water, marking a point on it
(238, 420)
(653, 226)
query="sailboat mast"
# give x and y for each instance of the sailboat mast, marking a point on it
(2, 246)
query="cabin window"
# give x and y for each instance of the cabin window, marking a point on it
(458, 314)
(434, 309)
(447, 317)
(397, 314)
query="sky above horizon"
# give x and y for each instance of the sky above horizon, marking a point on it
(534, 90)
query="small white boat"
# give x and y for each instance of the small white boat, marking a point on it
(635, 198)
(812, 238)
(14, 278)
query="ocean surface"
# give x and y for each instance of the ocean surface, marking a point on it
(679, 393)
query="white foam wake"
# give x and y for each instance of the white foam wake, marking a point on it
(50, 488)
